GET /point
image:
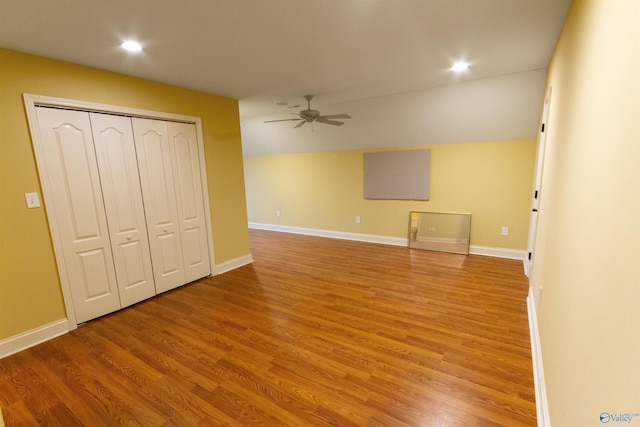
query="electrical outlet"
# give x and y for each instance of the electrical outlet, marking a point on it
(505, 231)
(278, 212)
(357, 220)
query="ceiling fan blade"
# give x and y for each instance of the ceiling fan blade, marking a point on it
(282, 120)
(328, 122)
(300, 124)
(335, 116)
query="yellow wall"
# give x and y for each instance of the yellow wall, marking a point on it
(588, 243)
(30, 294)
(490, 180)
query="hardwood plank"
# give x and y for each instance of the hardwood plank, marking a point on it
(317, 332)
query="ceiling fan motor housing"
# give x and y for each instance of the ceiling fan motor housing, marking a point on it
(309, 115)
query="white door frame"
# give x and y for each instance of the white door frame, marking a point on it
(30, 102)
(535, 205)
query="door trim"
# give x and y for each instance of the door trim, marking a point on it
(537, 185)
(31, 101)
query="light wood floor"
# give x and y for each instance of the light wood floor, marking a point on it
(316, 332)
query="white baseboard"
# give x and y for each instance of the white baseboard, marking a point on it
(542, 406)
(16, 343)
(369, 238)
(223, 267)
(498, 252)
(395, 241)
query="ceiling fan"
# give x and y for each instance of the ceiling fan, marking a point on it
(309, 116)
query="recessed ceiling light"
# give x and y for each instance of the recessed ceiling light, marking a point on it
(131, 46)
(460, 66)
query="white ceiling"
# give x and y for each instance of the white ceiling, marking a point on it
(265, 51)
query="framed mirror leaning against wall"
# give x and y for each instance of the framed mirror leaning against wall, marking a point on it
(436, 231)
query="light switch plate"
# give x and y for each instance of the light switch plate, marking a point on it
(33, 201)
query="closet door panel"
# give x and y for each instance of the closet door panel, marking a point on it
(187, 176)
(73, 178)
(158, 191)
(118, 167)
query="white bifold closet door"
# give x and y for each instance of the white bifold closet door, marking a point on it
(170, 177)
(118, 169)
(81, 217)
(128, 205)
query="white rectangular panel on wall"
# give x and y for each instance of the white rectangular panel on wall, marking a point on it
(400, 175)
(118, 167)
(158, 191)
(191, 213)
(72, 174)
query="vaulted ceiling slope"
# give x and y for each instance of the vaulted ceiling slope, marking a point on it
(264, 51)
(492, 109)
